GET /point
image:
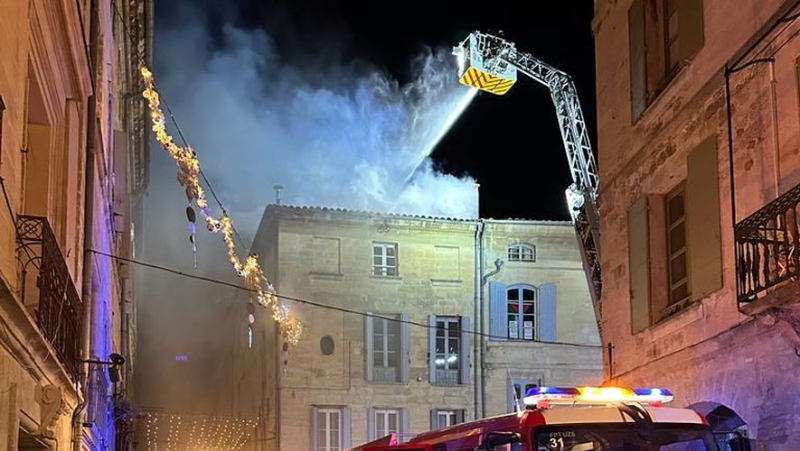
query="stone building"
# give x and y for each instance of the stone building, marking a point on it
(698, 153)
(390, 342)
(70, 149)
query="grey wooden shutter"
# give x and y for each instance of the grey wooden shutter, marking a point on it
(464, 351)
(638, 62)
(657, 232)
(405, 421)
(434, 423)
(368, 345)
(691, 35)
(314, 428)
(639, 271)
(432, 349)
(405, 357)
(371, 424)
(703, 219)
(347, 428)
(547, 312)
(498, 325)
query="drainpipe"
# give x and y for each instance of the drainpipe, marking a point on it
(88, 242)
(776, 154)
(477, 360)
(485, 278)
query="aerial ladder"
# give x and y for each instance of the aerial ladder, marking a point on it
(490, 63)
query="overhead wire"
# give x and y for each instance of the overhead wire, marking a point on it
(318, 304)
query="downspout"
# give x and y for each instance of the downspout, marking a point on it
(478, 360)
(88, 242)
(498, 264)
(776, 152)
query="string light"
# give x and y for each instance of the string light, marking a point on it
(214, 433)
(189, 178)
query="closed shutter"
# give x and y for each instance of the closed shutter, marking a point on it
(405, 427)
(347, 427)
(637, 58)
(432, 349)
(691, 35)
(371, 424)
(466, 334)
(368, 337)
(434, 419)
(498, 326)
(703, 218)
(404, 351)
(547, 312)
(314, 428)
(638, 258)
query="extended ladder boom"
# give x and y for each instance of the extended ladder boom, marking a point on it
(490, 63)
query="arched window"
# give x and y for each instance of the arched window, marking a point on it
(519, 252)
(521, 309)
(249, 337)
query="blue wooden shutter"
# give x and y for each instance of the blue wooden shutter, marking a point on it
(314, 429)
(434, 423)
(547, 312)
(432, 349)
(498, 325)
(368, 344)
(404, 354)
(346, 428)
(371, 432)
(464, 351)
(405, 428)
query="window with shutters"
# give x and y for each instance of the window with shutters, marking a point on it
(517, 388)
(678, 273)
(384, 259)
(330, 428)
(382, 421)
(522, 312)
(387, 348)
(442, 418)
(449, 349)
(521, 253)
(663, 36)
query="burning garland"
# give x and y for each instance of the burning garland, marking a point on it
(188, 177)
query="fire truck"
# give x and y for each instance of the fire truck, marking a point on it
(578, 419)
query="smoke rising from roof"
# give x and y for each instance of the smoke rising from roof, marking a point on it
(347, 136)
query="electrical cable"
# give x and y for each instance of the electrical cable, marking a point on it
(317, 304)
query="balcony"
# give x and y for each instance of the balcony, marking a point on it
(768, 248)
(53, 298)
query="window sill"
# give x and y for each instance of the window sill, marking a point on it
(446, 282)
(387, 279)
(437, 384)
(663, 86)
(687, 315)
(326, 275)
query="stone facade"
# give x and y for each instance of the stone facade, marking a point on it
(60, 305)
(670, 315)
(327, 256)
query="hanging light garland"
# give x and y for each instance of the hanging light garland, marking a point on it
(230, 434)
(189, 178)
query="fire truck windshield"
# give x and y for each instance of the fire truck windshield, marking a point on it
(624, 437)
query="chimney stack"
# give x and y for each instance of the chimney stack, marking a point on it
(277, 189)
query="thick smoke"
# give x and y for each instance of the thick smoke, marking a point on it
(348, 137)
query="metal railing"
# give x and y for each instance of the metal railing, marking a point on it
(768, 247)
(59, 307)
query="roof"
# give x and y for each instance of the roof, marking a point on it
(300, 210)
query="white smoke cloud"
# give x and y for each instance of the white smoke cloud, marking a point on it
(348, 137)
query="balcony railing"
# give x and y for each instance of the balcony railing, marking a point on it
(59, 307)
(768, 248)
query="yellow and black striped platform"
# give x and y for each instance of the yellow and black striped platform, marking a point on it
(486, 82)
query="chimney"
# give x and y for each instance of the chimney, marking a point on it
(277, 189)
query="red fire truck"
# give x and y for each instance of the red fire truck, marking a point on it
(578, 419)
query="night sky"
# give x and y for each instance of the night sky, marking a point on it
(511, 144)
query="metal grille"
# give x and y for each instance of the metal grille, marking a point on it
(768, 248)
(58, 312)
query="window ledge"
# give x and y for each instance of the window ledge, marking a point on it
(437, 384)
(326, 275)
(446, 282)
(676, 321)
(389, 279)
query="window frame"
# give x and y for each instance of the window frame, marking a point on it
(344, 423)
(519, 249)
(340, 415)
(524, 383)
(383, 337)
(684, 251)
(457, 415)
(384, 269)
(402, 370)
(520, 314)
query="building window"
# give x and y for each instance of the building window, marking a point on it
(663, 35)
(442, 418)
(676, 246)
(384, 259)
(249, 337)
(385, 421)
(449, 350)
(331, 428)
(517, 388)
(387, 348)
(521, 253)
(522, 312)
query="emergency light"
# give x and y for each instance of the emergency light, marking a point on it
(543, 396)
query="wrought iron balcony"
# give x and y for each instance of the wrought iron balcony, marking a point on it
(58, 308)
(768, 248)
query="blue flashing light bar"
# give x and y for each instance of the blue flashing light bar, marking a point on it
(543, 396)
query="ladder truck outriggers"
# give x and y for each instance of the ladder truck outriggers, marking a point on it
(491, 64)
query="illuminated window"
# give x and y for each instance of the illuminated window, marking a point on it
(384, 259)
(521, 313)
(385, 349)
(249, 337)
(449, 348)
(676, 246)
(521, 253)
